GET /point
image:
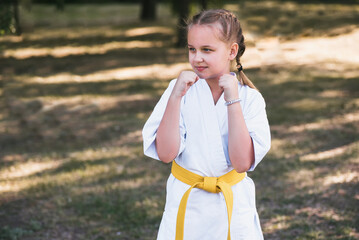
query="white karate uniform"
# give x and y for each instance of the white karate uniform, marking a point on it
(204, 151)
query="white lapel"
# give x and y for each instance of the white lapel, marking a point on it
(213, 116)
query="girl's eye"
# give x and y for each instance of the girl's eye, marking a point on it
(191, 49)
(207, 50)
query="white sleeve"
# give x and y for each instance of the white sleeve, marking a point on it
(257, 123)
(149, 131)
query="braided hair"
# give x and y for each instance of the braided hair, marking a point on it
(231, 32)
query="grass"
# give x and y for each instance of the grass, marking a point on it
(290, 20)
(78, 87)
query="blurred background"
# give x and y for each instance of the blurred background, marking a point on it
(78, 80)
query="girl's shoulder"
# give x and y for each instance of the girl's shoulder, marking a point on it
(249, 94)
(172, 83)
(252, 102)
(169, 88)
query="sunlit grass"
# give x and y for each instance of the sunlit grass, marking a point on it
(69, 50)
(63, 51)
(332, 153)
(154, 71)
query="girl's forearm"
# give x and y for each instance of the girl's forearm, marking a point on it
(168, 134)
(240, 145)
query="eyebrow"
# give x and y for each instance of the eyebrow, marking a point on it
(204, 46)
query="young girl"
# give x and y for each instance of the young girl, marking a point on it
(215, 128)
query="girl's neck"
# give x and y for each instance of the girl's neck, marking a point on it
(216, 90)
(213, 84)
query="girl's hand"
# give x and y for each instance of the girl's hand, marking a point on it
(229, 83)
(184, 81)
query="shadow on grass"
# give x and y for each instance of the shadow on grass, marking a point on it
(290, 19)
(123, 199)
(307, 205)
(329, 214)
(89, 88)
(312, 165)
(85, 40)
(66, 126)
(86, 64)
(305, 96)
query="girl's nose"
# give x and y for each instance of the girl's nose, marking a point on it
(198, 57)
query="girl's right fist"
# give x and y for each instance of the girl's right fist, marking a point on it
(184, 81)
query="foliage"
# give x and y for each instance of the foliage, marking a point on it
(308, 1)
(86, 1)
(195, 5)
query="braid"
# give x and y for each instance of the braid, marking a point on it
(231, 31)
(241, 48)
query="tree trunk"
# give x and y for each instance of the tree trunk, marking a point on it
(18, 30)
(148, 10)
(183, 10)
(6, 16)
(60, 5)
(204, 4)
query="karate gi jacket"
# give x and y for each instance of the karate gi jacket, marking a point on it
(204, 151)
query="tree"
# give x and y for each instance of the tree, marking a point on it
(60, 5)
(9, 17)
(183, 14)
(204, 4)
(148, 10)
(18, 30)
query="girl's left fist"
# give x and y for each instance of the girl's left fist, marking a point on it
(229, 83)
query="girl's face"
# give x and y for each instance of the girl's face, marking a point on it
(209, 56)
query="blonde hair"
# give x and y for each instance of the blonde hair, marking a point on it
(231, 32)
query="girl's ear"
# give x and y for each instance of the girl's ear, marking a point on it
(233, 51)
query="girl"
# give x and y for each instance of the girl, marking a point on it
(215, 128)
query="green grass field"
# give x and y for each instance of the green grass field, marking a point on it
(78, 86)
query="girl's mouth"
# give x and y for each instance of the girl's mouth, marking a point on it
(200, 69)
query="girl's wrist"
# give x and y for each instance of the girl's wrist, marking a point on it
(231, 97)
(176, 93)
(236, 100)
(175, 97)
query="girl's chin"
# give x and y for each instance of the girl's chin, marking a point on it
(203, 75)
(200, 75)
(209, 77)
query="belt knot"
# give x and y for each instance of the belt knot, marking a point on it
(210, 184)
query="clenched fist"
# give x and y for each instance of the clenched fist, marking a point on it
(184, 81)
(229, 83)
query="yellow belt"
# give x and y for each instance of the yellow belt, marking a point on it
(210, 184)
